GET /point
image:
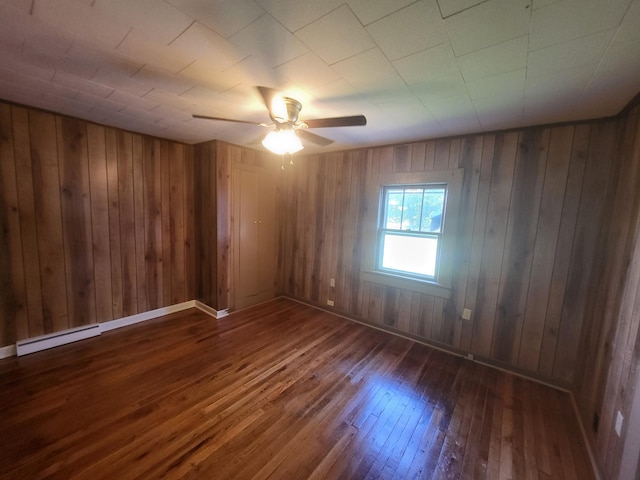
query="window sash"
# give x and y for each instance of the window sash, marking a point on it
(406, 190)
(421, 267)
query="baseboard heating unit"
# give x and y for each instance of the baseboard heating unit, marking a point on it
(36, 344)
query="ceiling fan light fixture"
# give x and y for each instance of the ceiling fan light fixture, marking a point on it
(282, 141)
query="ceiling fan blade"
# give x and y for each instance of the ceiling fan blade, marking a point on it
(274, 101)
(353, 121)
(267, 94)
(205, 117)
(313, 138)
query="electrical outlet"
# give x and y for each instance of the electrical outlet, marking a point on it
(332, 282)
(466, 314)
(619, 420)
(330, 303)
(470, 356)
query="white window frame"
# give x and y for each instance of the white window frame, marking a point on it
(440, 285)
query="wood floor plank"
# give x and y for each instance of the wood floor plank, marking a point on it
(280, 390)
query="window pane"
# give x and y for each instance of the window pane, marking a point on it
(393, 208)
(412, 209)
(432, 210)
(410, 254)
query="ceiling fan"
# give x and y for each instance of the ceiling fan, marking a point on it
(284, 112)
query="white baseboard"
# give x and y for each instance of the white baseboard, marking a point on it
(8, 351)
(141, 317)
(36, 344)
(211, 311)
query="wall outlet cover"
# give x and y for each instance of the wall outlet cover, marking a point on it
(330, 303)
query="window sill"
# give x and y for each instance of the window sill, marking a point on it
(419, 286)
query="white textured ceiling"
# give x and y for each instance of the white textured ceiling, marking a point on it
(416, 69)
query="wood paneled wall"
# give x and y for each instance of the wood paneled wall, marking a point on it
(610, 355)
(95, 223)
(531, 210)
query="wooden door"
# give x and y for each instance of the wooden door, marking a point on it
(254, 242)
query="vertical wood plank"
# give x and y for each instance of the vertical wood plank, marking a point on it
(189, 223)
(153, 221)
(385, 158)
(353, 229)
(359, 213)
(127, 223)
(206, 227)
(545, 246)
(282, 238)
(442, 154)
(562, 255)
(402, 158)
(165, 182)
(96, 149)
(495, 232)
(477, 244)
(111, 147)
(470, 161)
(176, 203)
(390, 306)
(455, 151)
(319, 237)
(28, 228)
(341, 208)
(376, 303)
(430, 155)
(223, 233)
(76, 217)
(418, 153)
(46, 180)
(521, 230)
(366, 297)
(425, 327)
(331, 165)
(438, 331)
(13, 301)
(310, 226)
(404, 310)
(415, 314)
(138, 224)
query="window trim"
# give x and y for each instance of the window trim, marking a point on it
(382, 230)
(441, 286)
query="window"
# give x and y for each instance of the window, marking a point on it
(410, 229)
(412, 235)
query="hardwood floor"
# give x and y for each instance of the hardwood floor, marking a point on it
(276, 391)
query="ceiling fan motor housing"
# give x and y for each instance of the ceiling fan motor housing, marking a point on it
(293, 108)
